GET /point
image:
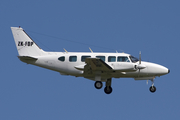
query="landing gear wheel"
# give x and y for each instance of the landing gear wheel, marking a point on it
(152, 89)
(108, 90)
(98, 84)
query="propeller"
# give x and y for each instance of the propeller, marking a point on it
(140, 66)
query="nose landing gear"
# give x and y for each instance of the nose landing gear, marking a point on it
(152, 88)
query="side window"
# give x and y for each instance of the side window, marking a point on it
(73, 58)
(84, 57)
(122, 59)
(112, 59)
(61, 58)
(101, 57)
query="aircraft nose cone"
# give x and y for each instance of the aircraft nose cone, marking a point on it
(163, 70)
(157, 69)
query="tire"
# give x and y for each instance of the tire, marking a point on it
(108, 90)
(152, 89)
(98, 84)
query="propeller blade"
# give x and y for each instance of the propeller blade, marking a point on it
(138, 72)
(140, 57)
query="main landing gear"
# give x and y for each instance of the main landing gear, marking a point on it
(107, 89)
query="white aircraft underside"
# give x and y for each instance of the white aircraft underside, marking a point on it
(100, 67)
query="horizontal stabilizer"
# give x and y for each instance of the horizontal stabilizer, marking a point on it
(27, 59)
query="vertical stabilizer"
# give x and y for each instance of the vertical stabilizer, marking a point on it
(25, 45)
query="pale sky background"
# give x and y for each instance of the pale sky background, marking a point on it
(28, 92)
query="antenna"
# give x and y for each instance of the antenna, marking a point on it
(65, 50)
(90, 49)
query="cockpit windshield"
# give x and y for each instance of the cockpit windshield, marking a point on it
(133, 59)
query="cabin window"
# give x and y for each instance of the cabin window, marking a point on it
(122, 59)
(61, 58)
(83, 58)
(101, 57)
(112, 59)
(73, 58)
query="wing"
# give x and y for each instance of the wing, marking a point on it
(96, 64)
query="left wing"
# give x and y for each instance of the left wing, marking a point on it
(97, 64)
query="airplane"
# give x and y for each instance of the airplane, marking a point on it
(99, 67)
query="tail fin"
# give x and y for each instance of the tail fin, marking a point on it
(25, 45)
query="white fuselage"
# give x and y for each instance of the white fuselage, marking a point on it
(120, 68)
